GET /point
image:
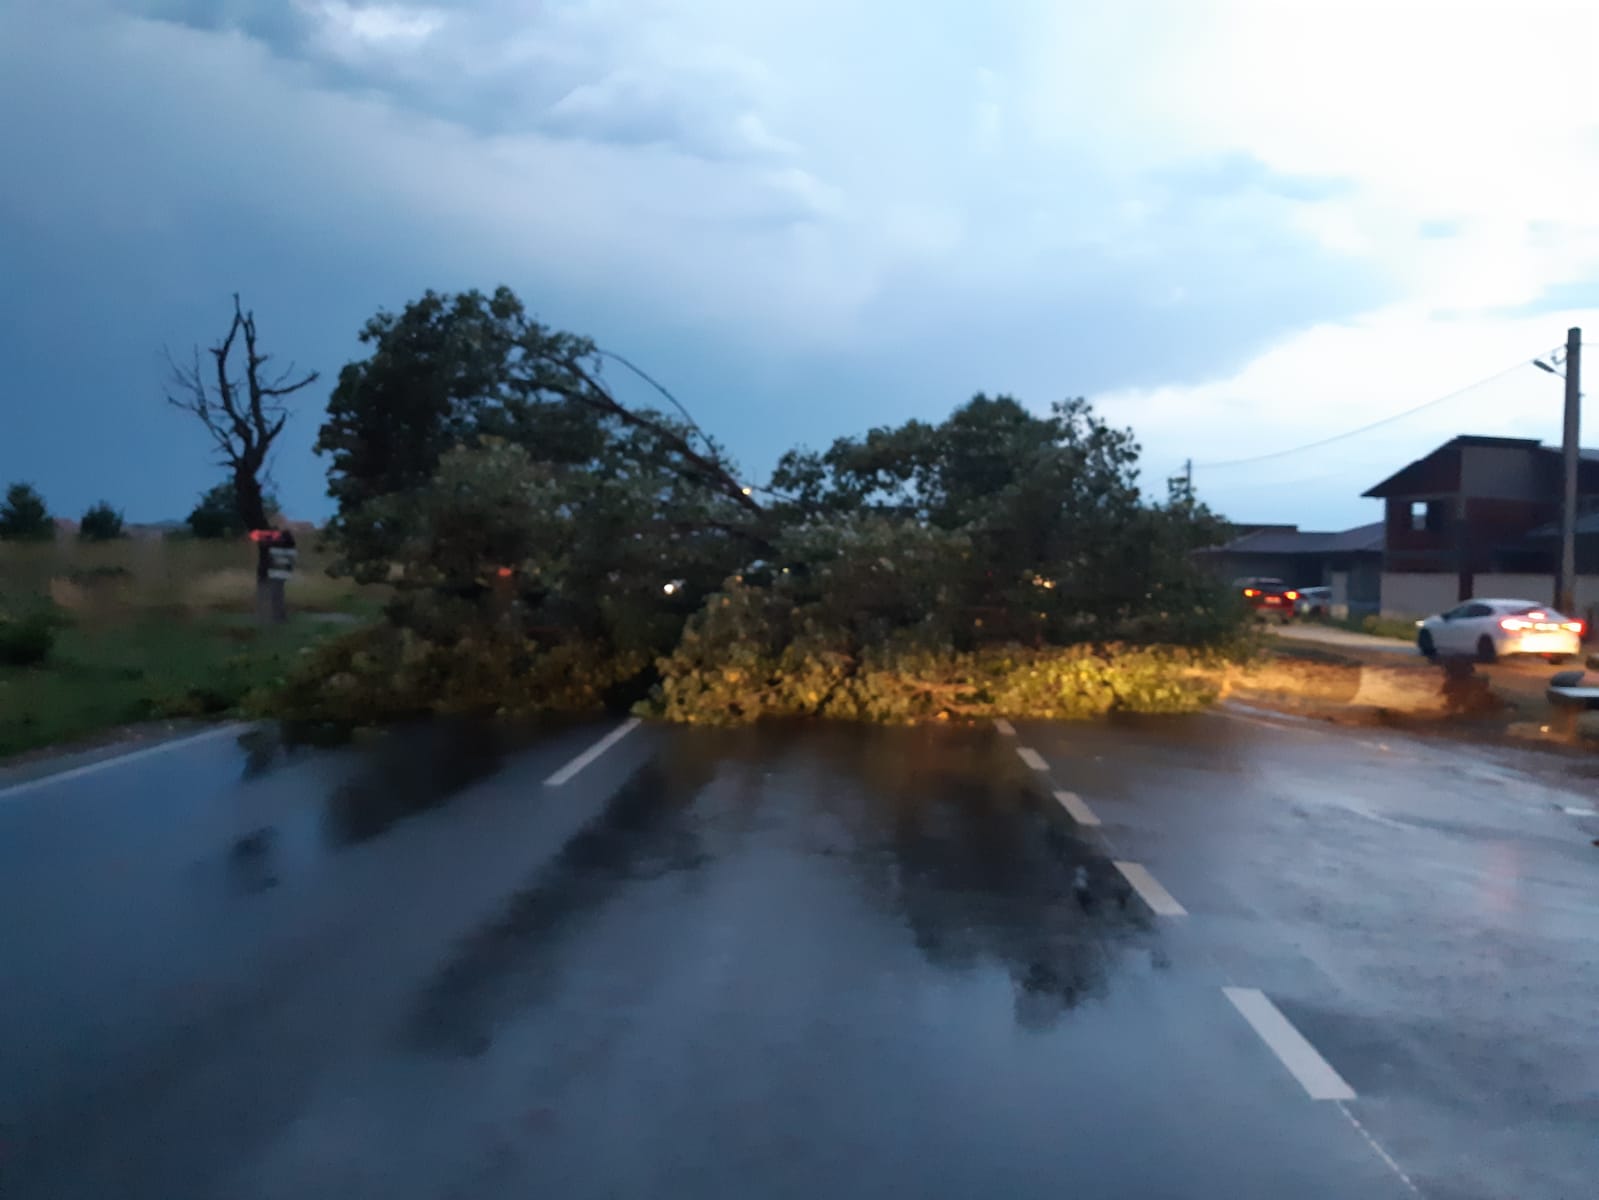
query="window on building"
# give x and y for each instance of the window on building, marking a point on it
(1427, 516)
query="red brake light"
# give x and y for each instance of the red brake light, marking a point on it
(1251, 592)
(1514, 623)
(1292, 595)
(1576, 627)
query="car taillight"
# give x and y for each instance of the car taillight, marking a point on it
(1251, 592)
(1514, 623)
(1576, 627)
(1292, 595)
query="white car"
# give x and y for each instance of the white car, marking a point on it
(1490, 629)
(1313, 602)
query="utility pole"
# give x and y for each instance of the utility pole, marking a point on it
(1566, 579)
(1188, 474)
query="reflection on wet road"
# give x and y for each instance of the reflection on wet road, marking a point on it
(784, 962)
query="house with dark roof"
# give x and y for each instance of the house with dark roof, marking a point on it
(1480, 516)
(1348, 562)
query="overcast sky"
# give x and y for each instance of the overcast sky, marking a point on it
(1236, 225)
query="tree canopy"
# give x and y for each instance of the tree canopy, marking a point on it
(461, 370)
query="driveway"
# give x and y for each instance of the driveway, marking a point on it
(1214, 956)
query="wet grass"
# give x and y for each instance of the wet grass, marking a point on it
(107, 674)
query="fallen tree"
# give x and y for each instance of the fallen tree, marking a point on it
(551, 548)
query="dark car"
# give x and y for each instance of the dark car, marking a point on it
(1268, 597)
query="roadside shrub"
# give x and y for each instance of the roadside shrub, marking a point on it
(27, 639)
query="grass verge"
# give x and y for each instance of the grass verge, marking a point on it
(101, 676)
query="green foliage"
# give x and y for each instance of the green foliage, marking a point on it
(101, 523)
(751, 654)
(388, 673)
(553, 552)
(24, 517)
(446, 372)
(26, 638)
(1060, 545)
(533, 529)
(218, 514)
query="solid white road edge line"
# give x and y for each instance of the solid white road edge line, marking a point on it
(1145, 884)
(598, 748)
(1077, 807)
(117, 760)
(1315, 1073)
(1032, 758)
(1005, 727)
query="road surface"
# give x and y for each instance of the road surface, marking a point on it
(1215, 956)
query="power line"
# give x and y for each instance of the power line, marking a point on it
(1338, 437)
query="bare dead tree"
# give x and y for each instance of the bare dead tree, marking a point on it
(243, 416)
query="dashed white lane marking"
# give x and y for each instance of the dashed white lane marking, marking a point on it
(593, 752)
(1032, 758)
(1005, 727)
(1077, 807)
(1380, 1152)
(1580, 812)
(1315, 1073)
(118, 760)
(1145, 884)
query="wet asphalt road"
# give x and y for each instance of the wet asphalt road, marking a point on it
(802, 962)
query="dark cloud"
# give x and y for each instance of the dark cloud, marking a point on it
(164, 164)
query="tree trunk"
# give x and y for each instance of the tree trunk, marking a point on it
(252, 502)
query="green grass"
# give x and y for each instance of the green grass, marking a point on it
(1403, 628)
(104, 675)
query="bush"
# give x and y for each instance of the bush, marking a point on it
(24, 517)
(26, 640)
(101, 523)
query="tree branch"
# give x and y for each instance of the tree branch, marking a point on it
(595, 395)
